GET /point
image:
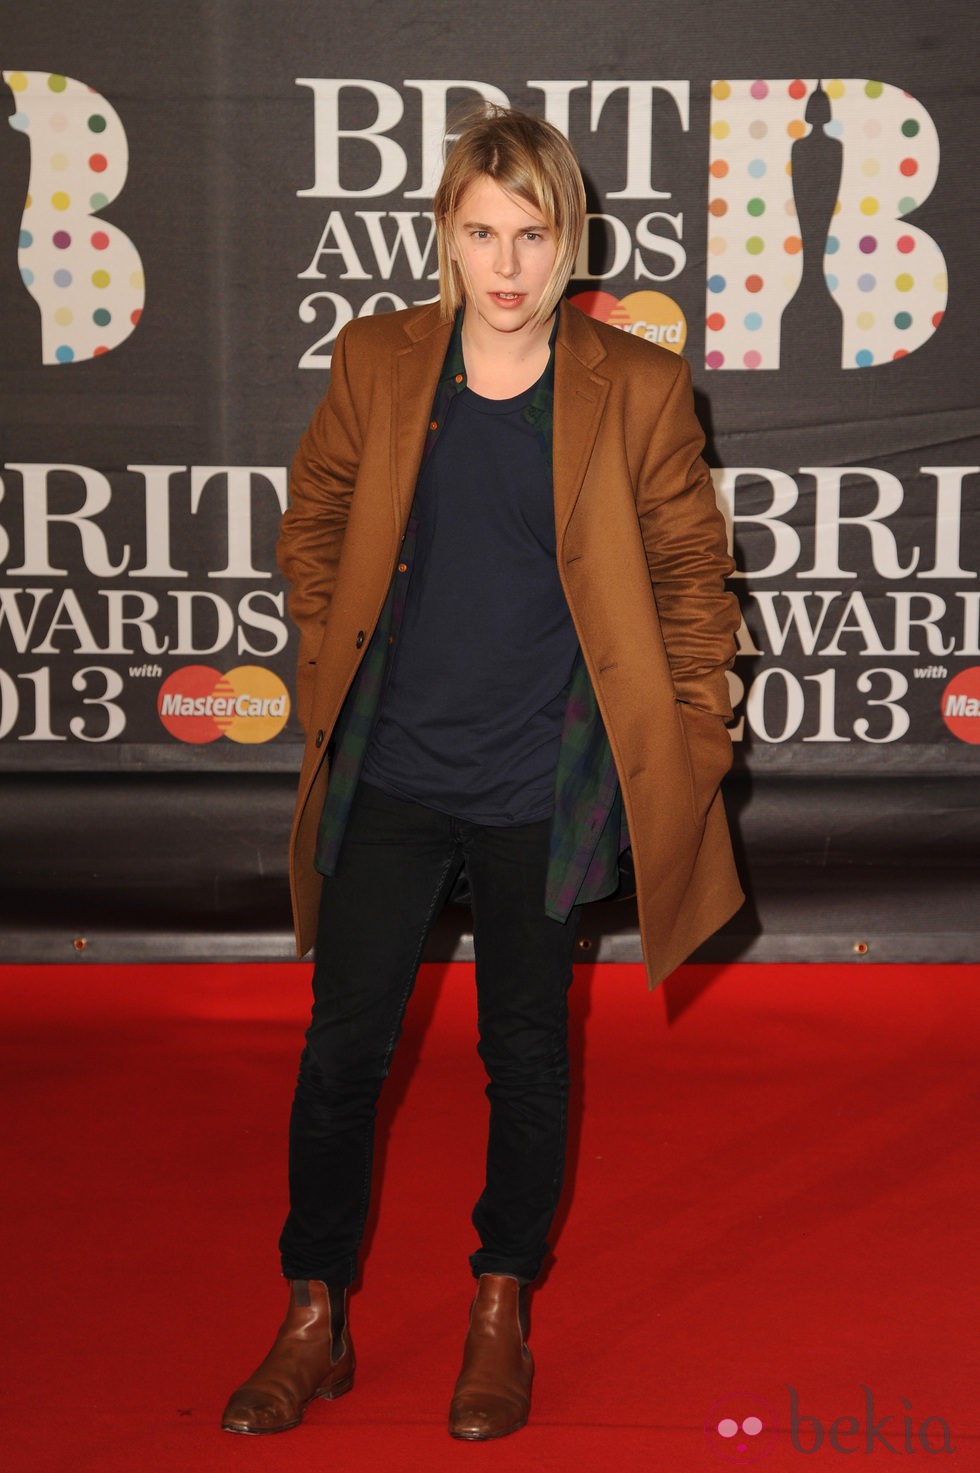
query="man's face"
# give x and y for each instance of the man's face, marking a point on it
(505, 250)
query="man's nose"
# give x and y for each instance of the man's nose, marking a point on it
(506, 258)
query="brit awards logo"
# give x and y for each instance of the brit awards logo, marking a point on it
(811, 192)
(85, 275)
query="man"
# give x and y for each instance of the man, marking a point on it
(507, 571)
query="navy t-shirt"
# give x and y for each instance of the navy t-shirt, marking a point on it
(472, 713)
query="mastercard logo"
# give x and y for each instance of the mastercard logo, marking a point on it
(650, 315)
(961, 705)
(198, 704)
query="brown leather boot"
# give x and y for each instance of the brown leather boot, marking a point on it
(493, 1393)
(312, 1356)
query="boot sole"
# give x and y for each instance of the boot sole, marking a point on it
(486, 1436)
(327, 1393)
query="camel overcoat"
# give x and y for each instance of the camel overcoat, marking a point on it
(642, 555)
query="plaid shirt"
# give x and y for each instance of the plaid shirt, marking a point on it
(588, 830)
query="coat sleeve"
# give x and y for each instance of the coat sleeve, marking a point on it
(686, 544)
(311, 534)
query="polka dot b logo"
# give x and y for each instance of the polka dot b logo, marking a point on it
(85, 275)
(773, 142)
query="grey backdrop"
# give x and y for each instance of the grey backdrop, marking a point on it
(266, 202)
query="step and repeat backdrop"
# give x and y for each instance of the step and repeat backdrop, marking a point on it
(194, 198)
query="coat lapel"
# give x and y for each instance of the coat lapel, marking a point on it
(580, 398)
(415, 376)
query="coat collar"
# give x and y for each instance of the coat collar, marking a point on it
(416, 370)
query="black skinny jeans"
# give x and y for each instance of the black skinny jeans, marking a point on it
(398, 863)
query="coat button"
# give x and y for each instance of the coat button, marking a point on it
(319, 738)
(360, 639)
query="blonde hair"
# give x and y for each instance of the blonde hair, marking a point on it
(527, 157)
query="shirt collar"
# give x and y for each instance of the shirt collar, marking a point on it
(453, 376)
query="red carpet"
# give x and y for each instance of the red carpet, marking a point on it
(774, 1185)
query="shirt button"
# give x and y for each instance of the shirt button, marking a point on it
(459, 378)
(434, 424)
(360, 639)
(403, 567)
(391, 639)
(319, 739)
